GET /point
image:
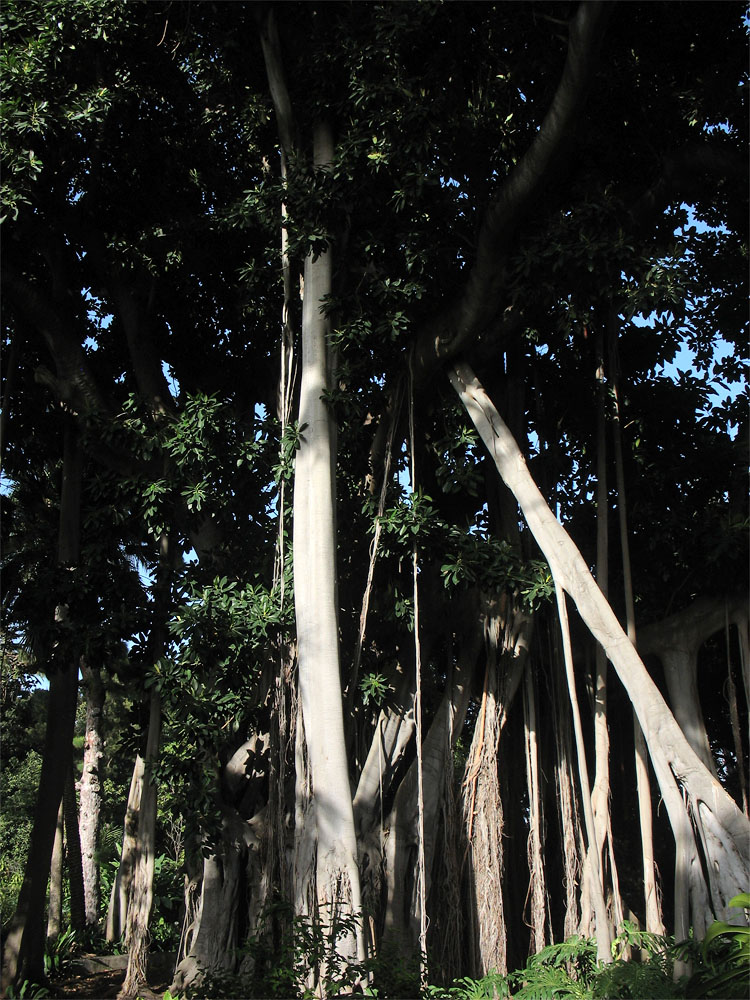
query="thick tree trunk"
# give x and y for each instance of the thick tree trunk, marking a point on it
(724, 830)
(23, 952)
(91, 789)
(73, 853)
(54, 910)
(117, 912)
(337, 873)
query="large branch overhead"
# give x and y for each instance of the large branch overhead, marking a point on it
(457, 325)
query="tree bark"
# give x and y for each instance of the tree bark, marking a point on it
(725, 831)
(117, 911)
(91, 789)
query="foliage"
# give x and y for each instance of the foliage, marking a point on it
(58, 953)
(26, 990)
(726, 957)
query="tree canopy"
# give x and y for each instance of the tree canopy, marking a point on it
(250, 251)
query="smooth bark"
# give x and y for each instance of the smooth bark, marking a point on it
(337, 873)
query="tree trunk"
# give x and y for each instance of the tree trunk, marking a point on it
(141, 889)
(54, 911)
(91, 789)
(337, 873)
(402, 913)
(591, 864)
(23, 952)
(117, 912)
(654, 922)
(73, 853)
(724, 830)
(535, 842)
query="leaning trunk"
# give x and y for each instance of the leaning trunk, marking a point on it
(724, 832)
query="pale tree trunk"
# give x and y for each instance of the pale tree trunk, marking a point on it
(117, 912)
(570, 834)
(724, 831)
(91, 789)
(535, 842)
(591, 864)
(337, 873)
(54, 910)
(600, 795)
(141, 887)
(23, 951)
(73, 853)
(654, 922)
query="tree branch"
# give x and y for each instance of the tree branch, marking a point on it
(459, 324)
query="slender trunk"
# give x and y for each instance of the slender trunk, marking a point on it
(600, 795)
(337, 873)
(54, 911)
(91, 789)
(724, 830)
(535, 841)
(592, 867)
(23, 952)
(73, 853)
(569, 820)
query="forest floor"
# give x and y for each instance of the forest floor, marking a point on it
(98, 985)
(90, 978)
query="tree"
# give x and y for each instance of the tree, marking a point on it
(317, 239)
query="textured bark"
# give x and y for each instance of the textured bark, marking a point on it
(54, 910)
(402, 912)
(23, 952)
(678, 768)
(91, 789)
(507, 636)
